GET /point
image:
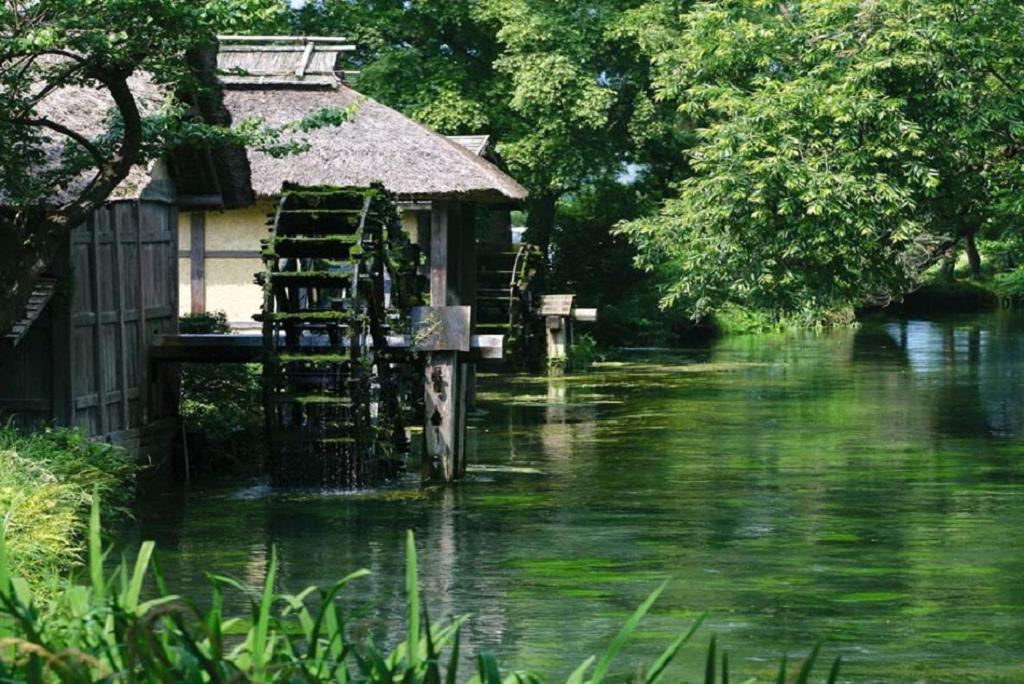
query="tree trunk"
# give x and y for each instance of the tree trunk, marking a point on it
(973, 257)
(541, 220)
(31, 238)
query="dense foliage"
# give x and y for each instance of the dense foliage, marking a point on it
(104, 629)
(842, 147)
(46, 480)
(793, 159)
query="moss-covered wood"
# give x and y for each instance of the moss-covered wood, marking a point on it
(332, 398)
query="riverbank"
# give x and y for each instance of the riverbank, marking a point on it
(47, 479)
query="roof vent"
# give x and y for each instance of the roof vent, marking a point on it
(281, 60)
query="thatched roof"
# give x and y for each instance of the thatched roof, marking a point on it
(379, 145)
(86, 111)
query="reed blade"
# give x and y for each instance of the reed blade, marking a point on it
(601, 670)
(412, 592)
(805, 670)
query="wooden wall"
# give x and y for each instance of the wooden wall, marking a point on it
(88, 358)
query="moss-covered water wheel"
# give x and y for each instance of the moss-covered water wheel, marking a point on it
(334, 391)
(507, 297)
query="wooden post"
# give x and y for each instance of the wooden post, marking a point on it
(197, 259)
(443, 441)
(467, 297)
(557, 311)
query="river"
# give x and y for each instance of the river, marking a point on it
(863, 487)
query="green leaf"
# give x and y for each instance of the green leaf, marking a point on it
(5, 570)
(577, 676)
(131, 599)
(805, 671)
(262, 626)
(670, 653)
(623, 636)
(709, 666)
(412, 593)
(833, 675)
(96, 550)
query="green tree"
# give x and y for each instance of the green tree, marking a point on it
(842, 146)
(556, 83)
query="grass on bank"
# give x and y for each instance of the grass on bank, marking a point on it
(47, 478)
(102, 629)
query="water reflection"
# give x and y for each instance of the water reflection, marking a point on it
(860, 486)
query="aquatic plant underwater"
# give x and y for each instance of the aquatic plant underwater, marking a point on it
(103, 630)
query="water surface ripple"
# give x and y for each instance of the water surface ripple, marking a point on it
(865, 487)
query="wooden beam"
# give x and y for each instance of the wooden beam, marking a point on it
(248, 348)
(442, 384)
(197, 257)
(189, 202)
(439, 255)
(230, 38)
(307, 54)
(224, 254)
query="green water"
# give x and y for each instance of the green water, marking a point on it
(863, 487)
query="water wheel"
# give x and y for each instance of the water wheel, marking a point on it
(336, 284)
(507, 299)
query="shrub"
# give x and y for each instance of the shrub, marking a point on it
(103, 630)
(1010, 286)
(46, 478)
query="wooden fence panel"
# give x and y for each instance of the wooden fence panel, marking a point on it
(126, 255)
(84, 361)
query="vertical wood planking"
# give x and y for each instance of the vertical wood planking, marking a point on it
(97, 338)
(140, 304)
(122, 335)
(197, 257)
(439, 254)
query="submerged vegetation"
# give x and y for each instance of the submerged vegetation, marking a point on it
(46, 480)
(104, 628)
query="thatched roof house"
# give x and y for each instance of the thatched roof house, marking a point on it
(284, 83)
(284, 80)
